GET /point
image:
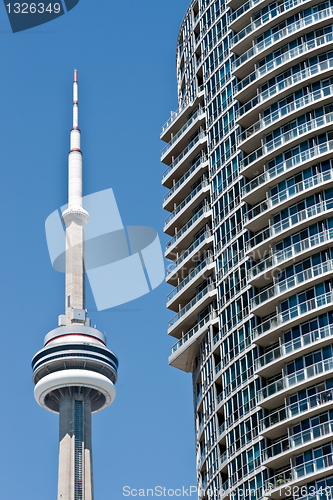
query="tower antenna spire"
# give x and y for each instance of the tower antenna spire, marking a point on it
(75, 218)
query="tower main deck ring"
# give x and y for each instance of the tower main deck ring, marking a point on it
(47, 389)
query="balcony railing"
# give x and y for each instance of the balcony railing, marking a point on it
(185, 177)
(244, 8)
(186, 201)
(290, 252)
(301, 24)
(295, 378)
(287, 56)
(298, 472)
(279, 141)
(297, 408)
(187, 252)
(265, 18)
(195, 141)
(288, 193)
(292, 282)
(190, 277)
(300, 103)
(199, 112)
(279, 169)
(221, 429)
(187, 226)
(297, 440)
(294, 345)
(284, 224)
(191, 304)
(293, 312)
(175, 114)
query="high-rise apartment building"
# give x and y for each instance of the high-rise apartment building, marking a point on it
(249, 175)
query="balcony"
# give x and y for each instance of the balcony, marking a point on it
(242, 39)
(188, 153)
(267, 300)
(277, 454)
(246, 8)
(186, 232)
(273, 394)
(251, 137)
(261, 242)
(178, 118)
(246, 114)
(262, 272)
(272, 148)
(176, 192)
(260, 215)
(185, 287)
(276, 359)
(240, 66)
(277, 423)
(268, 332)
(298, 475)
(176, 144)
(188, 314)
(258, 187)
(186, 260)
(179, 214)
(245, 89)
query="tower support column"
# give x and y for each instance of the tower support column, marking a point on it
(75, 480)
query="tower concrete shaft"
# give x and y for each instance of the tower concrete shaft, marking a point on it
(75, 480)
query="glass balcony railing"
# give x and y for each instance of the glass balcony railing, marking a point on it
(288, 193)
(186, 201)
(290, 221)
(295, 378)
(291, 282)
(293, 312)
(294, 345)
(237, 381)
(284, 58)
(191, 304)
(244, 8)
(198, 398)
(298, 472)
(195, 141)
(175, 114)
(187, 226)
(301, 24)
(284, 84)
(291, 135)
(223, 458)
(190, 277)
(221, 429)
(296, 440)
(279, 169)
(277, 115)
(201, 426)
(196, 115)
(294, 409)
(188, 252)
(265, 18)
(181, 181)
(290, 252)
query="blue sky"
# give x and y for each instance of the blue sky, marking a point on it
(125, 56)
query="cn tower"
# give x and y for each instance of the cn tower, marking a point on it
(75, 373)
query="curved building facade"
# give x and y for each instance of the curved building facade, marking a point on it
(249, 156)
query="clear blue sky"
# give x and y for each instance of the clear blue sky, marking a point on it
(125, 55)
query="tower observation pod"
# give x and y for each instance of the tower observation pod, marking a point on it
(75, 373)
